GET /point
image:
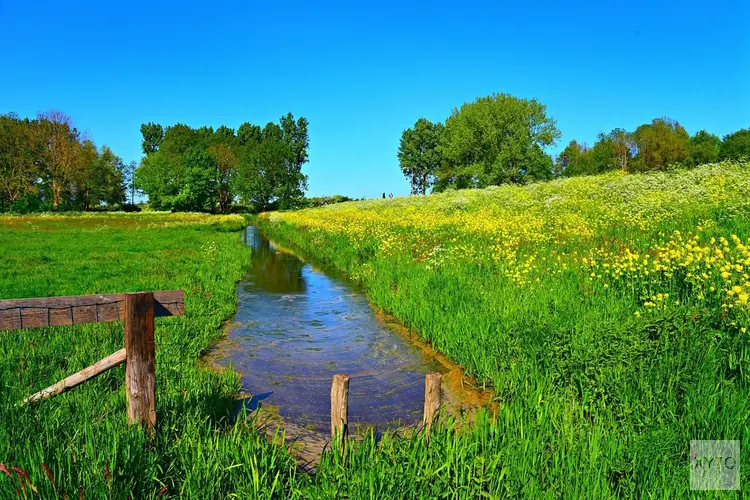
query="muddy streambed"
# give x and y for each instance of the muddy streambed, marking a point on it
(297, 325)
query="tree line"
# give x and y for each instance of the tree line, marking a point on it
(502, 139)
(46, 163)
(204, 169)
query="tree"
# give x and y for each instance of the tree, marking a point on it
(267, 164)
(494, 140)
(227, 164)
(292, 183)
(659, 144)
(419, 156)
(19, 171)
(249, 134)
(736, 145)
(83, 176)
(703, 148)
(107, 182)
(129, 175)
(199, 192)
(59, 140)
(153, 134)
(574, 160)
(160, 176)
(260, 166)
(612, 151)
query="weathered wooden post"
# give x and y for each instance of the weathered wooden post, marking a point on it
(340, 409)
(431, 398)
(140, 368)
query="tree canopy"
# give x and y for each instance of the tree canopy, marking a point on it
(47, 164)
(418, 154)
(736, 145)
(652, 146)
(495, 140)
(207, 170)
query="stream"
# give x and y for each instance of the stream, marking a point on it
(297, 325)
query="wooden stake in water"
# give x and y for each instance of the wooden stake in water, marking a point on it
(340, 408)
(431, 397)
(140, 353)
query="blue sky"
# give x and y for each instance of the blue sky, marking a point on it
(361, 73)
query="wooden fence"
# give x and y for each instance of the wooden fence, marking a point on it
(340, 406)
(137, 310)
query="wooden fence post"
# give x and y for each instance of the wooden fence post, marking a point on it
(340, 408)
(140, 369)
(431, 397)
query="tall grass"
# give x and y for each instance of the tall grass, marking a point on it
(609, 313)
(79, 443)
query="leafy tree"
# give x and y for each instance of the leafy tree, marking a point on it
(249, 134)
(200, 190)
(419, 156)
(107, 183)
(293, 183)
(161, 177)
(736, 145)
(574, 160)
(612, 151)
(18, 169)
(494, 140)
(60, 143)
(266, 169)
(46, 163)
(83, 176)
(129, 175)
(263, 167)
(659, 144)
(153, 134)
(704, 148)
(227, 165)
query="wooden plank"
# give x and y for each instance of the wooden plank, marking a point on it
(340, 409)
(90, 372)
(74, 310)
(431, 398)
(140, 370)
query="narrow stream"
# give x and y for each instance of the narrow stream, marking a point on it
(296, 326)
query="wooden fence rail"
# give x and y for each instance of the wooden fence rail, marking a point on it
(137, 310)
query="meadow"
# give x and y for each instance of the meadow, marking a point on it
(609, 313)
(78, 444)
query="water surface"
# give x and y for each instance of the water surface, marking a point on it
(297, 326)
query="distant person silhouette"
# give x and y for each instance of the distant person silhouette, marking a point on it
(384, 196)
(390, 195)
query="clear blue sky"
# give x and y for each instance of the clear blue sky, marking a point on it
(361, 73)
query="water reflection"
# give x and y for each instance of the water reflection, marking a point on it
(272, 271)
(296, 327)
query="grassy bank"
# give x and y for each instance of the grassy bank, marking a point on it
(610, 314)
(82, 437)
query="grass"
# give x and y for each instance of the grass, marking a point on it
(79, 443)
(605, 363)
(609, 313)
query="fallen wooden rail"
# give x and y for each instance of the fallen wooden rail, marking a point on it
(137, 310)
(92, 371)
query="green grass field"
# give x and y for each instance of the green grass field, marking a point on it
(609, 313)
(82, 436)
